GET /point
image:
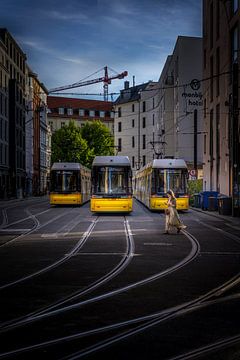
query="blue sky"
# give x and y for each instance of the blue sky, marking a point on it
(66, 41)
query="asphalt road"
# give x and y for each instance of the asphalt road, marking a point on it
(79, 285)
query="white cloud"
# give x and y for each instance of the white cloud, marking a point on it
(57, 15)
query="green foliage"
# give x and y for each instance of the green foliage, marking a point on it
(69, 146)
(194, 187)
(98, 138)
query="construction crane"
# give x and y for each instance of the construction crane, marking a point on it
(105, 79)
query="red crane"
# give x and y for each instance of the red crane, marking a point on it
(105, 79)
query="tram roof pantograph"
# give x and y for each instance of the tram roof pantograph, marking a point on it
(111, 160)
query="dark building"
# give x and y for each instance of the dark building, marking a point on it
(12, 110)
(221, 31)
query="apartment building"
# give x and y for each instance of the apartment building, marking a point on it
(221, 98)
(38, 136)
(136, 122)
(12, 158)
(164, 118)
(4, 122)
(181, 103)
(62, 110)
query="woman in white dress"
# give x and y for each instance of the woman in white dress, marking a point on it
(172, 217)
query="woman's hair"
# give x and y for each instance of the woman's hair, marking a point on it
(170, 192)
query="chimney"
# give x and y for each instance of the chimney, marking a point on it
(126, 85)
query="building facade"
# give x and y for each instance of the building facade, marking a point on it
(12, 169)
(136, 122)
(164, 119)
(4, 122)
(181, 103)
(38, 136)
(62, 110)
(221, 98)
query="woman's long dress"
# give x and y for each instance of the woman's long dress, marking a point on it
(172, 219)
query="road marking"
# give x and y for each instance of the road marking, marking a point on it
(158, 243)
(11, 230)
(220, 253)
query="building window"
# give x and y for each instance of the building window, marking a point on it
(144, 106)
(119, 112)
(144, 142)
(205, 107)
(62, 124)
(234, 6)
(133, 141)
(217, 19)
(217, 71)
(61, 111)
(132, 122)
(119, 127)
(102, 114)
(133, 161)
(133, 107)
(69, 111)
(92, 113)
(144, 160)
(153, 100)
(211, 78)
(81, 112)
(119, 144)
(144, 122)
(211, 137)
(205, 144)
(211, 25)
(153, 119)
(234, 44)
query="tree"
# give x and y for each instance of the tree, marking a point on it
(69, 146)
(98, 137)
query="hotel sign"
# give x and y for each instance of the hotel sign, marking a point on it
(194, 97)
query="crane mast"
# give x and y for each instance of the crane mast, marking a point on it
(105, 79)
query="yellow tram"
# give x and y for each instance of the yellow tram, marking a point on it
(151, 183)
(70, 184)
(111, 184)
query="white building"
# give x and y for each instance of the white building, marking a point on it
(181, 102)
(164, 118)
(135, 125)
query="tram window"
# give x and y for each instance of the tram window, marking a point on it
(166, 179)
(63, 181)
(110, 180)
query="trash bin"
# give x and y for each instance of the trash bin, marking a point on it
(212, 203)
(225, 205)
(204, 199)
(197, 202)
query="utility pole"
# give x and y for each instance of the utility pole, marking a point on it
(139, 131)
(195, 131)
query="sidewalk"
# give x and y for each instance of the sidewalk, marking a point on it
(228, 218)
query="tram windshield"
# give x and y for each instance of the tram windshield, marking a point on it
(64, 181)
(112, 180)
(165, 179)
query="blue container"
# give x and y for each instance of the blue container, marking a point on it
(204, 195)
(197, 200)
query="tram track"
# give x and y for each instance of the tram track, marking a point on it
(146, 322)
(60, 261)
(52, 311)
(4, 211)
(127, 258)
